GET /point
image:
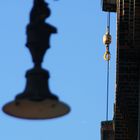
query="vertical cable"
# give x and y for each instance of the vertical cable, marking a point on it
(107, 97)
(107, 41)
(108, 22)
(107, 88)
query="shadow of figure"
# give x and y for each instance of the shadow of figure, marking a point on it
(38, 41)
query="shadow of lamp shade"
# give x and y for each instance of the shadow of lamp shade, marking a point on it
(37, 101)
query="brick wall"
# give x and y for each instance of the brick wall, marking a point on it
(127, 73)
(107, 130)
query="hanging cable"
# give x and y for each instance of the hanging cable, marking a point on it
(107, 93)
(108, 22)
(107, 102)
(107, 56)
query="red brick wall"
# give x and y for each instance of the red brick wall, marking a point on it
(127, 73)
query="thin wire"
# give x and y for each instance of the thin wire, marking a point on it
(108, 22)
(107, 94)
(107, 97)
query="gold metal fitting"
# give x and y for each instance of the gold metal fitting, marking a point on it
(107, 39)
(107, 56)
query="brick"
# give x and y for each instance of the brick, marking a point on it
(127, 70)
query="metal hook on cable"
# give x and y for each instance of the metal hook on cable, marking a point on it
(107, 41)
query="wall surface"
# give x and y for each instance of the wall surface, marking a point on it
(127, 73)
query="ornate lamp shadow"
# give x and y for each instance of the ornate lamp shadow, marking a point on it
(36, 101)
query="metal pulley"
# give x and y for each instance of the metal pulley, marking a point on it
(107, 39)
